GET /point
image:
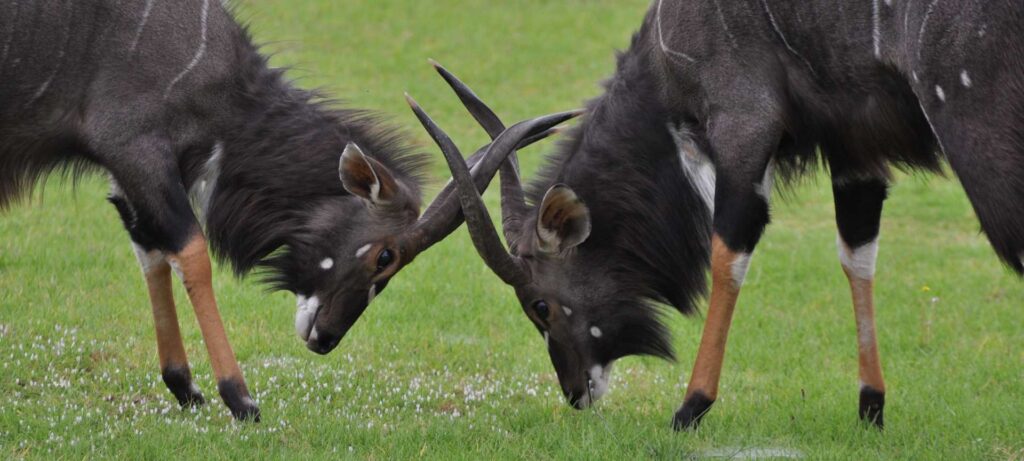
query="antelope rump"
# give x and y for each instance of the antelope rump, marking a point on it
(671, 169)
(197, 133)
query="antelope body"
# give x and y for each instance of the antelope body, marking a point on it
(174, 102)
(713, 100)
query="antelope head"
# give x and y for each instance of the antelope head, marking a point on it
(583, 306)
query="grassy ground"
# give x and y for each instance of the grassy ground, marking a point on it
(444, 365)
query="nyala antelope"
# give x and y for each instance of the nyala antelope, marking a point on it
(672, 167)
(178, 106)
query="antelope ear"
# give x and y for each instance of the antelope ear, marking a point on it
(366, 177)
(563, 221)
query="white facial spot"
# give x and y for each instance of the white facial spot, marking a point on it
(739, 268)
(568, 312)
(595, 332)
(327, 263)
(305, 315)
(965, 79)
(373, 294)
(860, 261)
(362, 250)
(148, 260)
(940, 93)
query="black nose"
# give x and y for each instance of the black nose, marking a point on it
(324, 343)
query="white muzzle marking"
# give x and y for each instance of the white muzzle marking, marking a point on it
(599, 379)
(305, 316)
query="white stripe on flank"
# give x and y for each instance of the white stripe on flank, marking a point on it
(876, 23)
(61, 53)
(778, 31)
(661, 37)
(924, 24)
(721, 18)
(200, 52)
(142, 24)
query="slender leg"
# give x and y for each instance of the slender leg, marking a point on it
(742, 189)
(858, 213)
(193, 263)
(173, 360)
(155, 209)
(702, 391)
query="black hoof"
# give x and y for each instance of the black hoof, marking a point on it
(236, 397)
(689, 415)
(872, 406)
(179, 381)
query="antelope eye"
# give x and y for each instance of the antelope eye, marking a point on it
(542, 309)
(384, 259)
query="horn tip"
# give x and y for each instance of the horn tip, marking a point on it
(412, 102)
(434, 63)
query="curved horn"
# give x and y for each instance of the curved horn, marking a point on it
(513, 202)
(444, 214)
(482, 231)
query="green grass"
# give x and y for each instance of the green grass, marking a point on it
(444, 365)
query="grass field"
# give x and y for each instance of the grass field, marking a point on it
(444, 365)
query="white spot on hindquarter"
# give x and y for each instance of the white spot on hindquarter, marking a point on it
(568, 312)
(661, 38)
(200, 52)
(940, 93)
(148, 260)
(858, 261)
(142, 24)
(965, 79)
(362, 250)
(595, 332)
(697, 166)
(327, 263)
(739, 268)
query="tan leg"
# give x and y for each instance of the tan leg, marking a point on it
(193, 264)
(858, 264)
(173, 360)
(727, 271)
